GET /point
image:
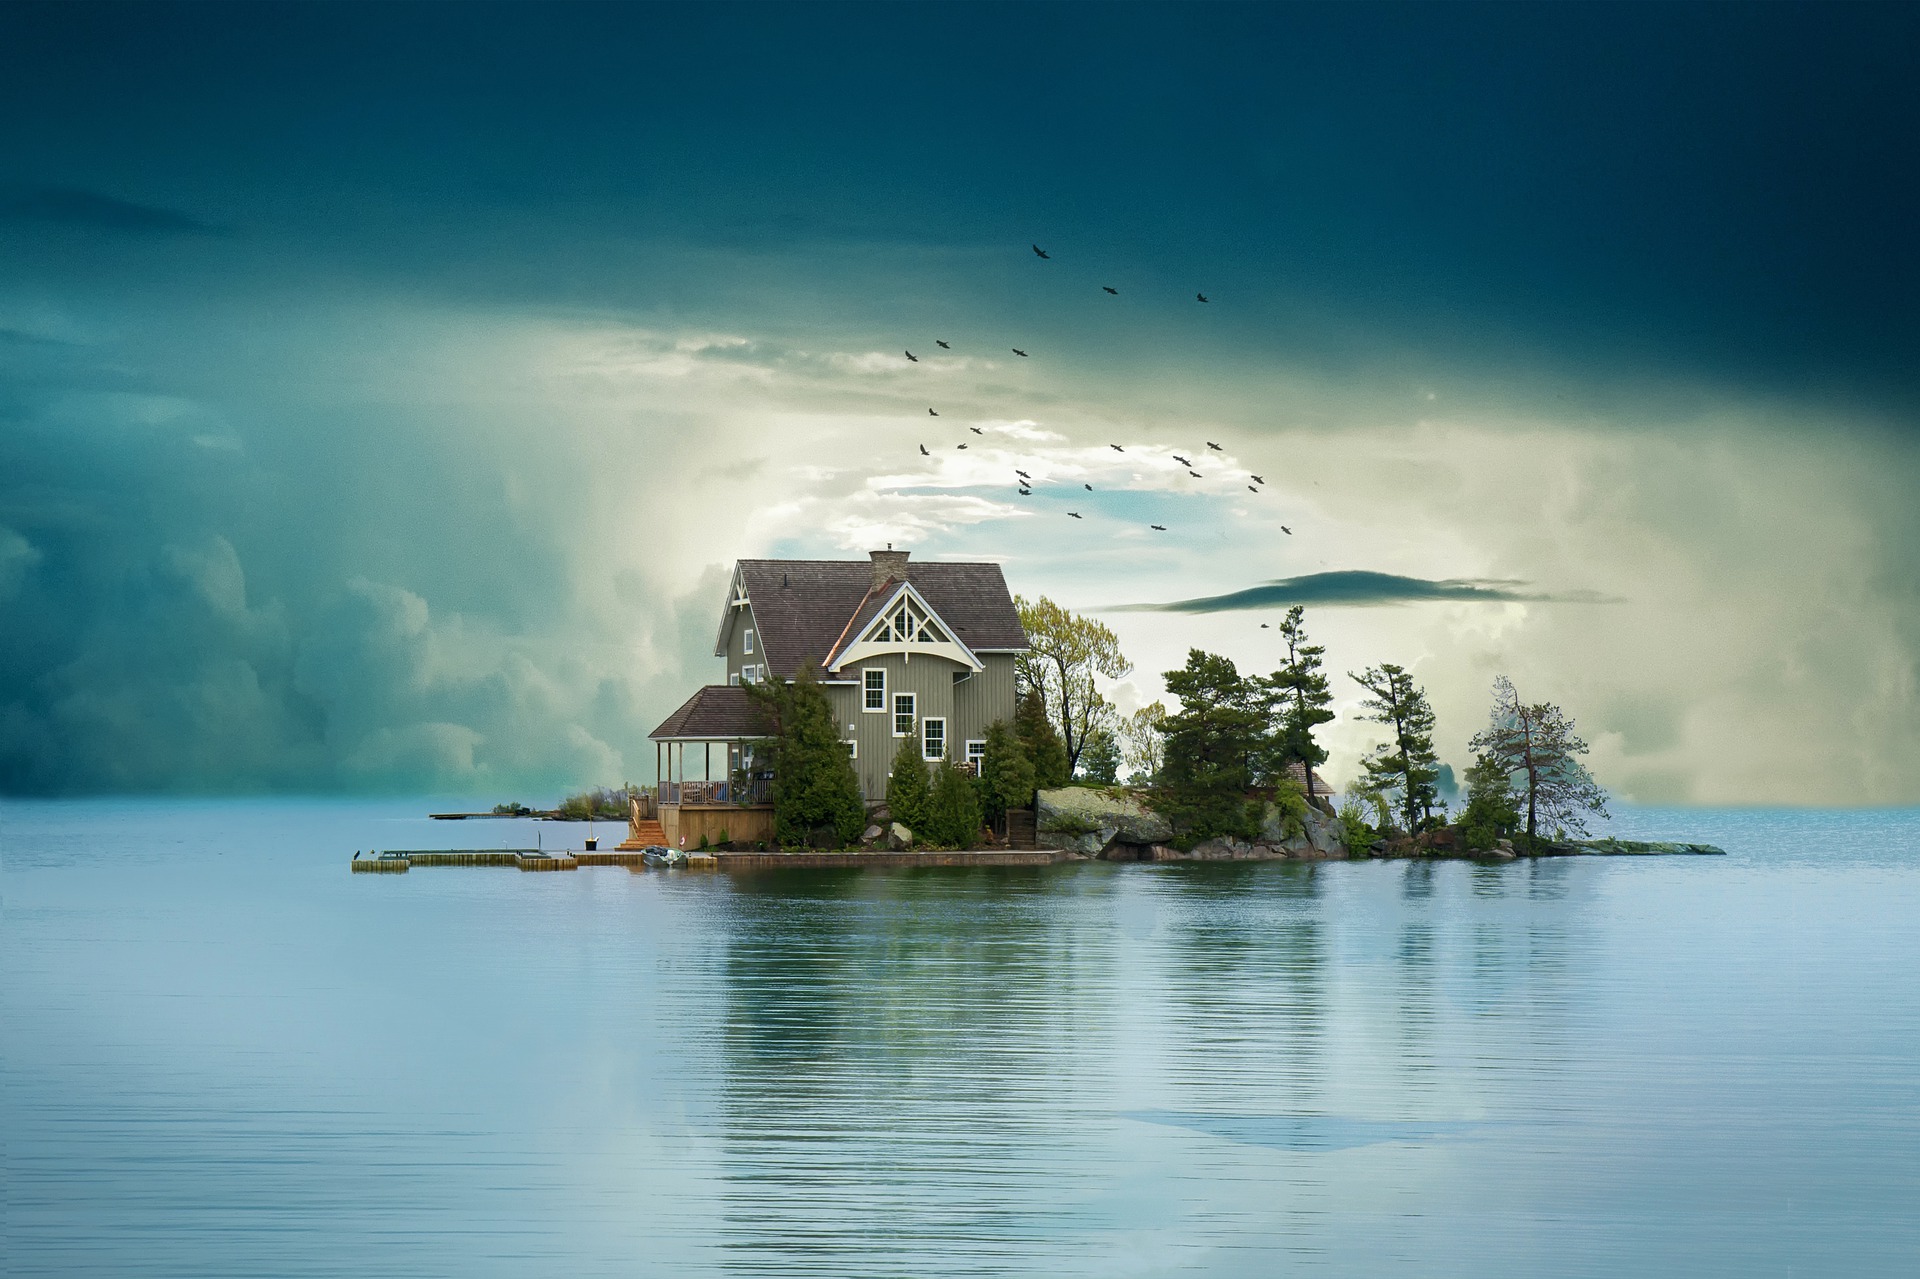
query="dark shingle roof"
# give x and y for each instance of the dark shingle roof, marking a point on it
(804, 619)
(718, 712)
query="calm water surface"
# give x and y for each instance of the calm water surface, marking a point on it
(226, 1055)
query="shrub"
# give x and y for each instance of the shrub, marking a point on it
(953, 810)
(1291, 800)
(908, 788)
(1006, 773)
(1354, 830)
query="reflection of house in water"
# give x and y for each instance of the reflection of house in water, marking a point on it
(905, 651)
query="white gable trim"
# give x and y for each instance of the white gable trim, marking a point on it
(736, 600)
(866, 646)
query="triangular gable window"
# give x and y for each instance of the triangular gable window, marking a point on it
(907, 623)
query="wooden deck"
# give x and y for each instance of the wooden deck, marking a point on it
(530, 859)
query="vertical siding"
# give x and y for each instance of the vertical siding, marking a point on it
(739, 622)
(968, 707)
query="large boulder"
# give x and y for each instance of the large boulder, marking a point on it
(898, 836)
(1083, 820)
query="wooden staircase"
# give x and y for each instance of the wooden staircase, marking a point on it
(643, 834)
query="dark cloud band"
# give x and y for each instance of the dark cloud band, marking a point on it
(69, 206)
(1359, 588)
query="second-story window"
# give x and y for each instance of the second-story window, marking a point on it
(876, 689)
(903, 715)
(749, 644)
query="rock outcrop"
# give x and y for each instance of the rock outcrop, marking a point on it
(1079, 819)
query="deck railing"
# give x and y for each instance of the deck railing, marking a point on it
(749, 792)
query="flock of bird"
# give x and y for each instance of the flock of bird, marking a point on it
(1024, 481)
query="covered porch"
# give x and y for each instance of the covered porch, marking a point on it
(715, 779)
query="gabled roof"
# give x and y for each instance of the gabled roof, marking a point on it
(804, 607)
(717, 713)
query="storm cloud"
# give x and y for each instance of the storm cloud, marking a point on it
(66, 206)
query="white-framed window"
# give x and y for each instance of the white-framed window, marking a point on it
(976, 751)
(750, 674)
(903, 714)
(733, 679)
(933, 738)
(853, 748)
(874, 680)
(749, 642)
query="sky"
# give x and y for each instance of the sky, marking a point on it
(385, 392)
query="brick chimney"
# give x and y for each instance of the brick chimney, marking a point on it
(889, 566)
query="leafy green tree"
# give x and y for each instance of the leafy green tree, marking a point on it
(1300, 698)
(816, 795)
(1065, 651)
(1006, 773)
(1100, 762)
(1405, 765)
(1051, 766)
(953, 810)
(1142, 746)
(908, 788)
(1492, 812)
(1539, 750)
(1355, 832)
(1209, 747)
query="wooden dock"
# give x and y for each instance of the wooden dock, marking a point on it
(398, 861)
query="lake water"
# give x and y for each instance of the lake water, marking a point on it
(227, 1055)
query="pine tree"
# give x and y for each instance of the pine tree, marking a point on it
(1492, 813)
(816, 795)
(1051, 767)
(908, 788)
(1006, 773)
(1100, 761)
(1539, 751)
(1210, 746)
(1405, 765)
(1301, 698)
(953, 810)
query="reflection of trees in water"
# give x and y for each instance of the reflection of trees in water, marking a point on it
(1243, 985)
(900, 1053)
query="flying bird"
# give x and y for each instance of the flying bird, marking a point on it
(1113, 291)
(1116, 448)
(1026, 492)
(1195, 474)
(1087, 487)
(1017, 351)
(1201, 296)
(923, 451)
(1161, 527)
(1075, 514)
(959, 446)
(931, 413)
(1040, 252)
(942, 345)
(976, 430)
(1215, 447)
(1258, 480)
(1252, 489)
(1023, 475)
(913, 357)
(1286, 530)
(1181, 460)
(1263, 626)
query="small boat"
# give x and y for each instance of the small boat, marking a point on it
(656, 855)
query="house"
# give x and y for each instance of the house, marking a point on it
(922, 651)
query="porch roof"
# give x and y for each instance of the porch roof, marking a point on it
(716, 713)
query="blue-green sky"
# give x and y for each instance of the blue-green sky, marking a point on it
(384, 391)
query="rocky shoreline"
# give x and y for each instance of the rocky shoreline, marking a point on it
(1112, 825)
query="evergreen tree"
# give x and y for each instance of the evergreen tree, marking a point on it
(1006, 774)
(953, 809)
(1301, 697)
(1405, 765)
(1492, 813)
(816, 795)
(1210, 747)
(1539, 751)
(1100, 761)
(908, 788)
(1050, 764)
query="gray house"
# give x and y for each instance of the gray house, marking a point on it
(921, 651)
